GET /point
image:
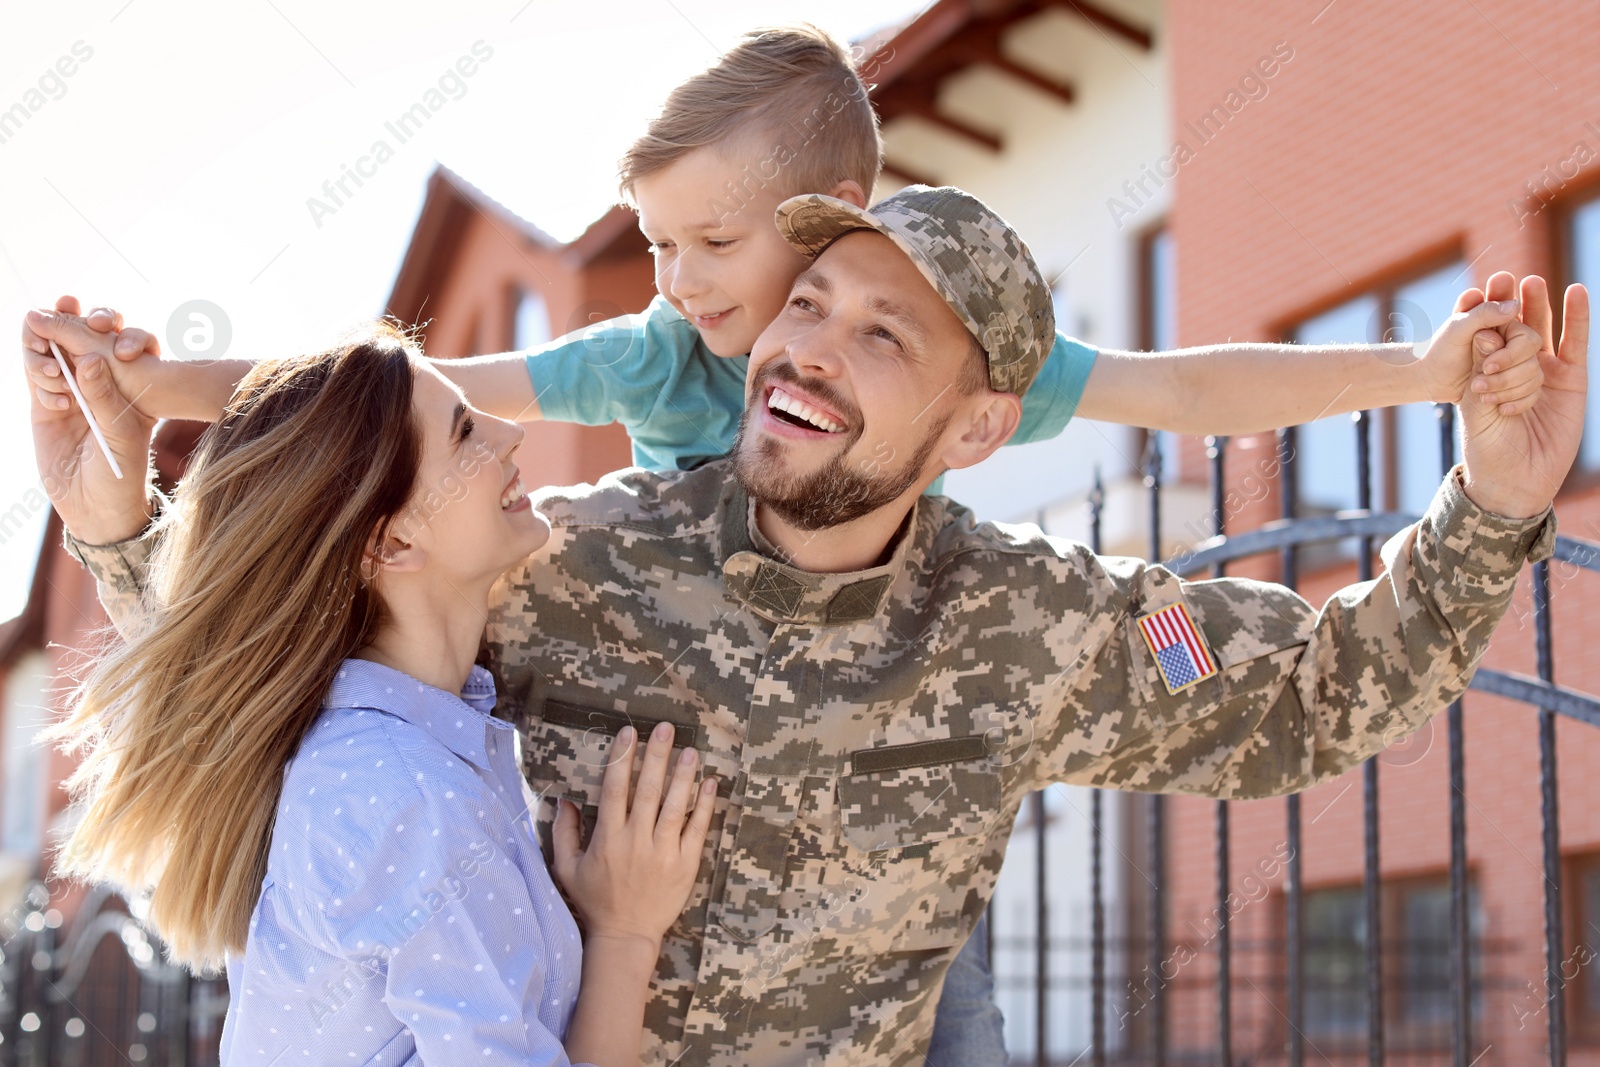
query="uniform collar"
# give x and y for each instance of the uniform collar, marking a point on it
(753, 571)
(459, 722)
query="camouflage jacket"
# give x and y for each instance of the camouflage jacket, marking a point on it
(876, 732)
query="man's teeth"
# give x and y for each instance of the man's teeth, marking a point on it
(782, 401)
(513, 495)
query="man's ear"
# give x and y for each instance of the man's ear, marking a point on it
(850, 191)
(991, 423)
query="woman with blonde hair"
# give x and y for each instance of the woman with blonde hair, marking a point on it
(292, 752)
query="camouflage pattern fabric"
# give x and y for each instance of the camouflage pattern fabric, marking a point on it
(977, 263)
(876, 732)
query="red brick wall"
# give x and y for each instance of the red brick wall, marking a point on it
(1396, 128)
(1503, 829)
(1394, 131)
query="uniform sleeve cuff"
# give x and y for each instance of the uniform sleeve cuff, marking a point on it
(119, 566)
(1480, 550)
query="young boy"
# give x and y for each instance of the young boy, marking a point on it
(786, 113)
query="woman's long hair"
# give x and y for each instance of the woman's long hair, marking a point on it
(255, 595)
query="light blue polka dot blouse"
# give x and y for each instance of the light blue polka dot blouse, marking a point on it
(407, 916)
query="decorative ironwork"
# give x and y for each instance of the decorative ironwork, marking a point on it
(97, 991)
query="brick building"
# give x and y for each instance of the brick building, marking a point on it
(1330, 210)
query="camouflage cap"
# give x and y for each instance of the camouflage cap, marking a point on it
(965, 251)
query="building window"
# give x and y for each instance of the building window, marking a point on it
(1406, 463)
(1416, 962)
(1158, 318)
(1159, 276)
(530, 323)
(1336, 963)
(1424, 978)
(1582, 241)
(1417, 911)
(1581, 966)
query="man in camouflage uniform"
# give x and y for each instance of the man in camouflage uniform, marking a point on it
(879, 680)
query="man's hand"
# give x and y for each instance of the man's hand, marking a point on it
(1463, 367)
(1516, 463)
(96, 506)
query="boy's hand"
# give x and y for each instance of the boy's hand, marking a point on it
(1461, 367)
(131, 343)
(160, 388)
(634, 879)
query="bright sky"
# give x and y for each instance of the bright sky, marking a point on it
(176, 161)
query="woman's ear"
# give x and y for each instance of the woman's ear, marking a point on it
(991, 423)
(393, 556)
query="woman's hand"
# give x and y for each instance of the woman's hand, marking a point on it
(635, 877)
(630, 886)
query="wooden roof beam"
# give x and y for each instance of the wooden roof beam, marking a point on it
(918, 98)
(932, 114)
(980, 43)
(1099, 16)
(989, 52)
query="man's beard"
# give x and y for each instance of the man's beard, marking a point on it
(836, 493)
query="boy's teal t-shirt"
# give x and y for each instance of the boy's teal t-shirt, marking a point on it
(681, 404)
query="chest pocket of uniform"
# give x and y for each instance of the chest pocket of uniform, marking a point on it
(905, 796)
(912, 810)
(570, 745)
(565, 753)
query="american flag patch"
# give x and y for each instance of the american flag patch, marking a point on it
(1181, 653)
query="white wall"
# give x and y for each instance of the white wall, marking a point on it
(1014, 925)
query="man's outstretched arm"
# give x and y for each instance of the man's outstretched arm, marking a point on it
(1299, 696)
(1287, 695)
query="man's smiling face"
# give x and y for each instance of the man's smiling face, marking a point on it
(860, 391)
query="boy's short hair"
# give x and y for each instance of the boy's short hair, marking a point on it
(790, 93)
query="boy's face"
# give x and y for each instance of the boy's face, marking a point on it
(720, 260)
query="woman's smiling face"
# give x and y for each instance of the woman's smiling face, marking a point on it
(468, 510)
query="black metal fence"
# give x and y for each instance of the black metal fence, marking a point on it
(1287, 955)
